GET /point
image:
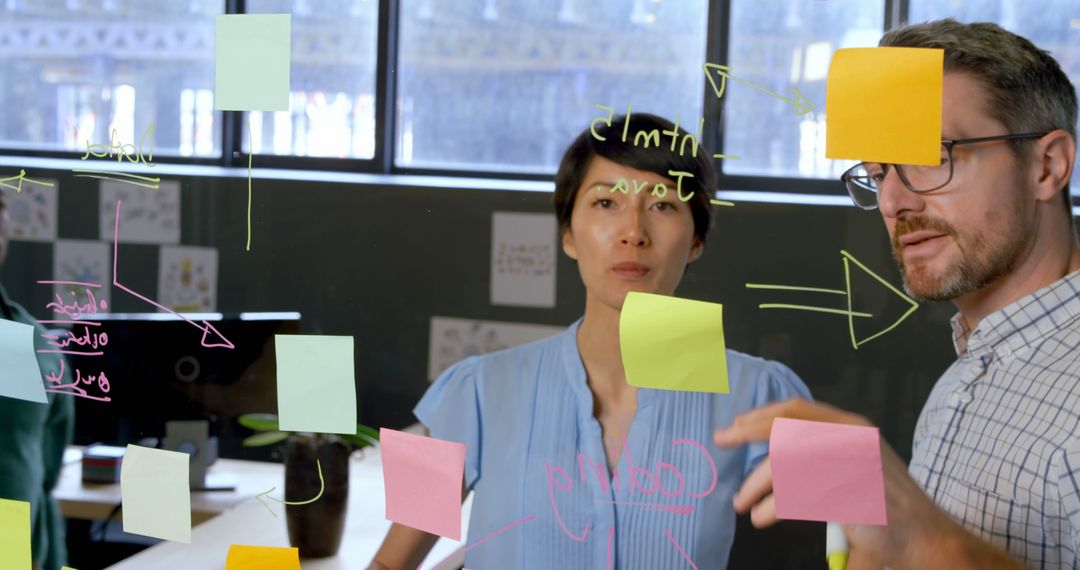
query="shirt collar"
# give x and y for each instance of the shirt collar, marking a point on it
(1021, 323)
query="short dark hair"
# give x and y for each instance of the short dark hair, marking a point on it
(1027, 90)
(659, 159)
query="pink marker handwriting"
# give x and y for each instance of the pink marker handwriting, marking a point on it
(76, 307)
(64, 339)
(557, 478)
(77, 387)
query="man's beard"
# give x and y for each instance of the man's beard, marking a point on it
(982, 261)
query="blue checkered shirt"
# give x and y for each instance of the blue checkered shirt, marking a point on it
(997, 445)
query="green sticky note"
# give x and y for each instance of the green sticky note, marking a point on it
(22, 376)
(155, 494)
(316, 387)
(884, 105)
(251, 69)
(669, 343)
(14, 534)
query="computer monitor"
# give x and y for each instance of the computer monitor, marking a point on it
(158, 370)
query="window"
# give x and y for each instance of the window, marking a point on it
(1053, 25)
(334, 45)
(76, 70)
(505, 85)
(780, 44)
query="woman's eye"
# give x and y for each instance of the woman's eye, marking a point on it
(664, 206)
(604, 203)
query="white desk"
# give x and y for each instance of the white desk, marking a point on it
(249, 523)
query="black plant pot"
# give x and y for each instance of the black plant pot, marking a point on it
(316, 528)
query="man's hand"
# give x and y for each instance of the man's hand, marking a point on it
(918, 535)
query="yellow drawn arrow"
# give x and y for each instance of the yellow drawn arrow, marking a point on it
(714, 70)
(322, 487)
(848, 259)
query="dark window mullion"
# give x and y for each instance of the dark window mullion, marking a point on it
(717, 37)
(386, 69)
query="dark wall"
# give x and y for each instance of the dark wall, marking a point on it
(377, 262)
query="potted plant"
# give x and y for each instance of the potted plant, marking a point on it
(315, 526)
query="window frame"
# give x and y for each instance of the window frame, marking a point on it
(717, 49)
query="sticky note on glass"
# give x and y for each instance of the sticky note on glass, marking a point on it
(884, 105)
(316, 389)
(251, 66)
(242, 557)
(155, 493)
(423, 478)
(673, 344)
(22, 376)
(14, 534)
(827, 472)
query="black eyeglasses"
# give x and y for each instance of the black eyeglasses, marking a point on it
(862, 179)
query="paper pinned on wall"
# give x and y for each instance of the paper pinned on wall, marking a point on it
(188, 278)
(83, 261)
(423, 478)
(884, 105)
(669, 343)
(244, 557)
(827, 472)
(14, 534)
(155, 494)
(252, 61)
(316, 387)
(33, 211)
(523, 254)
(147, 216)
(22, 378)
(453, 340)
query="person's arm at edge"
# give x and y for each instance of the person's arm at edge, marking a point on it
(404, 547)
(919, 535)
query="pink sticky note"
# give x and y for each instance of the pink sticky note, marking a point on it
(423, 478)
(827, 472)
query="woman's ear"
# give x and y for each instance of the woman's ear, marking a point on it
(696, 250)
(568, 245)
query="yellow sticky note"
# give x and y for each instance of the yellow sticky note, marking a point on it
(884, 105)
(316, 387)
(242, 557)
(14, 534)
(673, 344)
(155, 493)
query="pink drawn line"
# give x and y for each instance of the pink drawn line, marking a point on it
(677, 509)
(74, 352)
(87, 323)
(206, 327)
(500, 531)
(79, 283)
(681, 551)
(87, 396)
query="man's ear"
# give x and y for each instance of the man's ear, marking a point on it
(696, 250)
(1053, 162)
(568, 245)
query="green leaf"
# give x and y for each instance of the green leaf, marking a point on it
(362, 429)
(359, 439)
(265, 438)
(259, 422)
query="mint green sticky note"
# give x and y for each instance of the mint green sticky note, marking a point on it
(155, 494)
(14, 534)
(251, 71)
(316, 387)
(22, 376)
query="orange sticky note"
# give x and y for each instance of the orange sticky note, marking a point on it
(243, 557)
(827, 472)
(423, 477)
(14, 534)
(884, 105)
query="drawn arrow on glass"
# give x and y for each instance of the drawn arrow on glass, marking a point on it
(322, 486)
(848, 259)
(714, 70)
(21, 177)
(215, 340)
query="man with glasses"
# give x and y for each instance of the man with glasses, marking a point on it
(994, 480)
